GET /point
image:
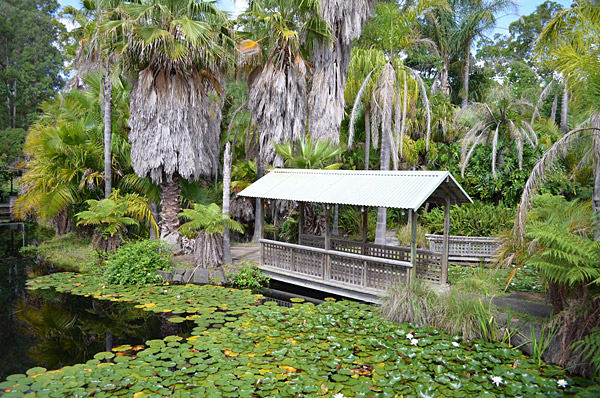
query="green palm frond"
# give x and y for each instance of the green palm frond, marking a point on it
(310, 154)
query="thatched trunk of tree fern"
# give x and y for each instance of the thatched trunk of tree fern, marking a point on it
(208, 250)
(331, 59)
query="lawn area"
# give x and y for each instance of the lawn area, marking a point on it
(495, 281)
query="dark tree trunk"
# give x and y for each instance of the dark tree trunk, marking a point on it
(170, 207)
(155, 214)
(107, 134)
(258, 208)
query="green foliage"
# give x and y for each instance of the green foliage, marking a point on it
(486, 321)
(11, 145)
(209, 219)
(243, 174)
(249, 276)
(589, 348)
(67, 251)
(137, 262)
(108, 214)
(31, 60)
(310, 155)
(566, 253)
(403, 233)
(476, 219)
(333, 348)
(289, 228)
(488, 281)
(541, 342)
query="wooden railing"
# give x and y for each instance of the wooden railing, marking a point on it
(466, 248)
(337, 267)
(428, 263)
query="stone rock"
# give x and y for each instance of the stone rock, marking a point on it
(187, 276)
(217, 276)
(167, 276)
(180, 271)
(201, 276)
(178, 278)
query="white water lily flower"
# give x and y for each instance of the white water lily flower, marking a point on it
(455, 344)
(414, 342)
(562, 383)
(339, 395)
(409, 336)
(497, 380)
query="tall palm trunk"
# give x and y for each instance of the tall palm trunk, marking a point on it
(564, 110)
(226, 199)
(380, 231)
(107, 134)
(367, 135)
(170, 202)
(465, 93)
(444, 87)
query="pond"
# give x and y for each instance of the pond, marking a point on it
(52, 329)
(230, 345)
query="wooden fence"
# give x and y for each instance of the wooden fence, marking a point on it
(332, 266)
(428, 263)
(466, 249)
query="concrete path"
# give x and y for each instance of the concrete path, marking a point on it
(245, 251)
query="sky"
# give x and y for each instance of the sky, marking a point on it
(525, 7)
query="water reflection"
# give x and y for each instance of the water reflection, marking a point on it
(50, 329)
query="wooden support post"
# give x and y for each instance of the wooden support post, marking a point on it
(444, 270)
(327, 263)
(365, 220)
(365, 229)
(300, 221)
(413, 243)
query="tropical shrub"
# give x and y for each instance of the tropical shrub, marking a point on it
(403, 233)
(206, 225)
(476, 219)
(249, 276)
(137, 262)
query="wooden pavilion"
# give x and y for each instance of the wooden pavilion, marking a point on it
(359, 270)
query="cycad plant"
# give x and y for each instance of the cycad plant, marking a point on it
(205, 225)
(310, 155)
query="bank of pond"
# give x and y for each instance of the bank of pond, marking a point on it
(232, 343)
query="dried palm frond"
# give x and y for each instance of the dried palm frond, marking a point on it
(175, 125)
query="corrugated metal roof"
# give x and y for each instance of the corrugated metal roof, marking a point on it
(393, 189)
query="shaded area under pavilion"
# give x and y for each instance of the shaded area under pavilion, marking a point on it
(355, 269)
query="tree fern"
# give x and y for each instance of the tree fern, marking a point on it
(209, 219)
(589, 347)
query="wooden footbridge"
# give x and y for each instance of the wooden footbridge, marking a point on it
(359, 270)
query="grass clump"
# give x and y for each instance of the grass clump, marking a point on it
(457, 312)
(137, 262)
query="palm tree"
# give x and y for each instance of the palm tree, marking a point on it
(571, 44)
(454, 29)
(310, 155)
(330, 61)
(175, 51)
(502, 113)
(278, 33)
(95, 52)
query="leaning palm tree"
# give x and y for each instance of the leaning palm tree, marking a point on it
(571, 44)
(175, 51)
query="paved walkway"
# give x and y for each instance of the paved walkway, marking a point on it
(245, 251)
